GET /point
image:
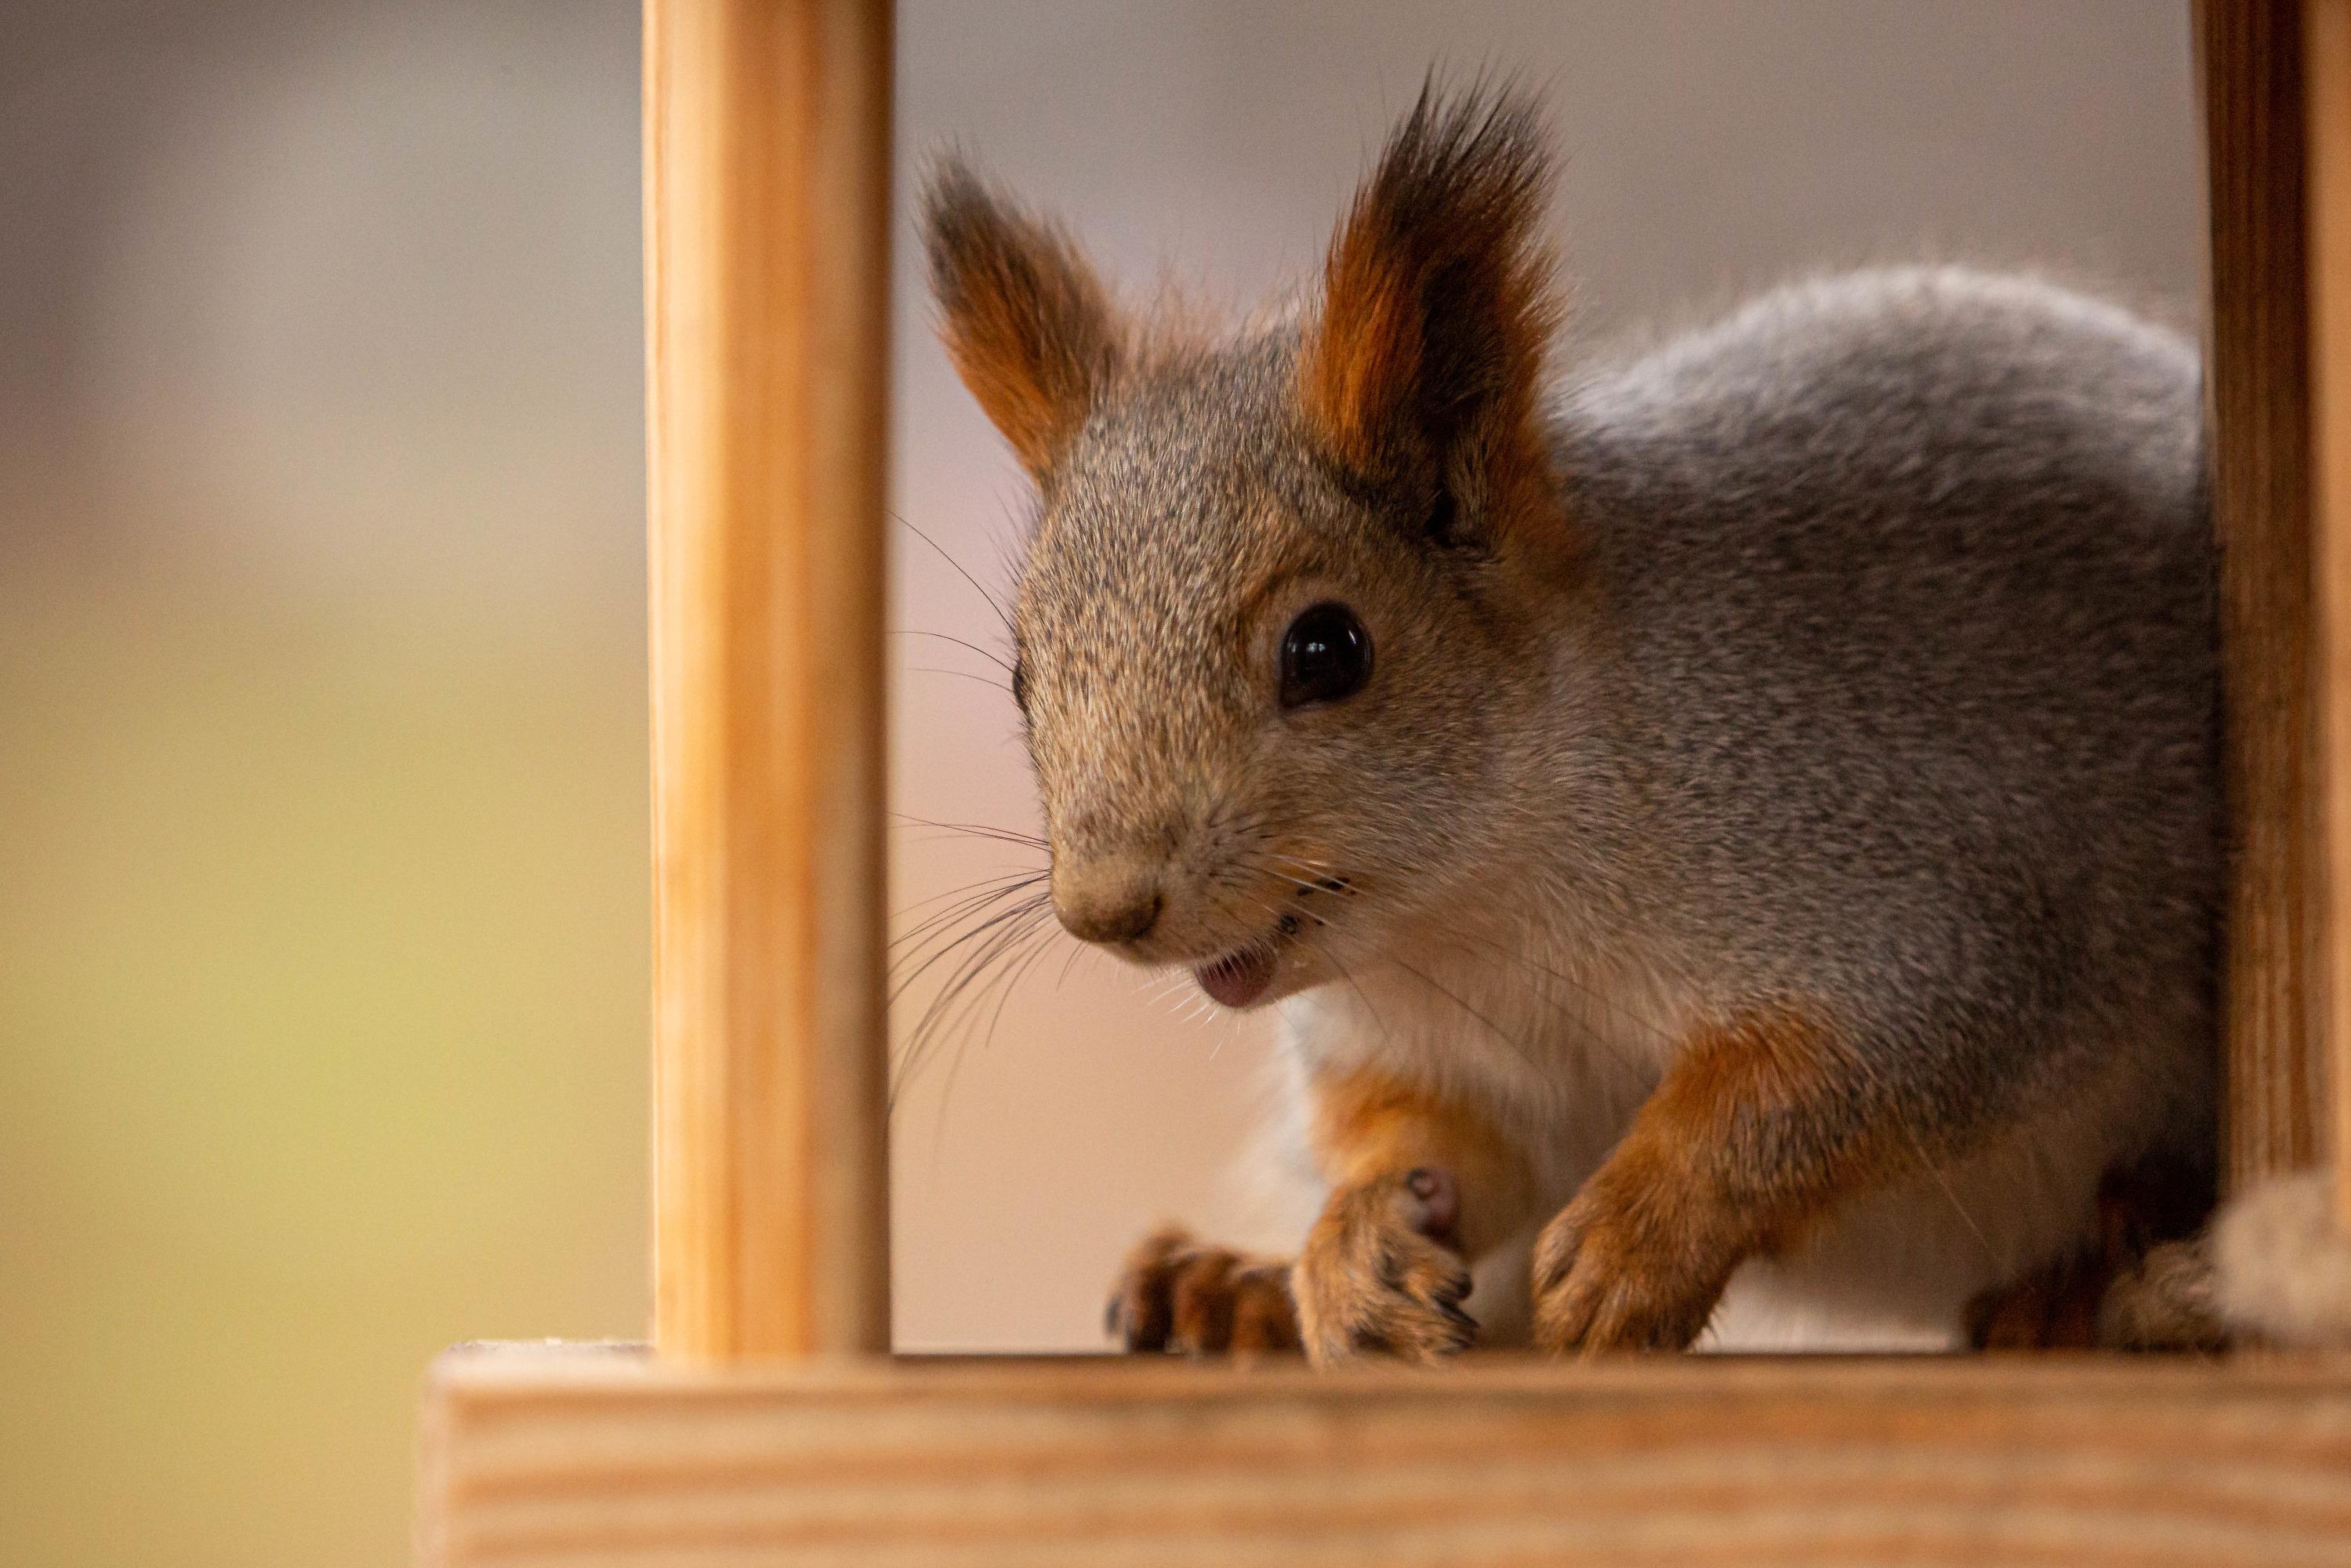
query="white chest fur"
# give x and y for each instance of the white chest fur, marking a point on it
(1560, 1057)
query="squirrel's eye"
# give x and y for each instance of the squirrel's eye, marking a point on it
(1326, 655)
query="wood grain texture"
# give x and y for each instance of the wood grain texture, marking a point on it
(562, 1457)
(2249, 62)
(2326, 51)
(766, 241)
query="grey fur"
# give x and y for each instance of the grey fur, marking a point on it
(1914, 580)
(1869, 669)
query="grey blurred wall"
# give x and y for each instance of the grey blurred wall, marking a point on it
(322, 899)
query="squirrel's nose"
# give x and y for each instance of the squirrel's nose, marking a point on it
(1106, 901)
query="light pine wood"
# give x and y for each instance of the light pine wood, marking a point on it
(766, 241)
(765, 154)
(2250, 62)
(567, 1457)
(2328, 69)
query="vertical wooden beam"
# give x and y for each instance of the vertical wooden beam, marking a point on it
(2326, 49)
(2249, 55)
(767, 128)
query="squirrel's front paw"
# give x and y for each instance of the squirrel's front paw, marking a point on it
(1177, 1294)
(1380, 1275)
(1610, 1273)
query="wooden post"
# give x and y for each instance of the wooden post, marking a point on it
(2249, 58)
(767, 125)
(2327, 47)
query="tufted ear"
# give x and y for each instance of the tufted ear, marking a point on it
(1422, 367)
(1029, 327)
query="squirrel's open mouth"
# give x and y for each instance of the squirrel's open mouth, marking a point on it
(1241, 975)
(1238, 978)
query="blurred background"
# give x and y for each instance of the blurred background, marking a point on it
(323, 901)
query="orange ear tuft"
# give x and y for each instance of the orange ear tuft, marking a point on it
(1365, 356)
(1436, 307)
(1029, 327)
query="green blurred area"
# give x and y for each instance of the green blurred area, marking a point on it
(323, 902)
(322, 998)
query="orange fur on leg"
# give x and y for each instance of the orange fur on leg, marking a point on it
(1365, 1124)
(1420, 1186)
(1752, 1133)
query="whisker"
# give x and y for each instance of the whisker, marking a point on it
(1039, 943)
(960, 674)
(1588, 993)
(917, 941)
(1500, 1033)
(996, 659)
(901, 912)
(1039, 940)
(1582, 994)
(989, 941)
(988, 598)
(1345, 888)
(976, 829)
(1035, 904)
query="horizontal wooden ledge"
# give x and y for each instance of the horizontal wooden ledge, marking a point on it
(577, 1455)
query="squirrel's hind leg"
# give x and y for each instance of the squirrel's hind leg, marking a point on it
(2141, 1283)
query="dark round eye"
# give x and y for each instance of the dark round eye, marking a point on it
(1326, 655)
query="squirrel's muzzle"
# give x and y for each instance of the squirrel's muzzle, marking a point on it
(1108, 900)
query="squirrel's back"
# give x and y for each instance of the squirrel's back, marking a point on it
(1912, 575)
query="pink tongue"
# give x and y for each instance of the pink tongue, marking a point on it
(1239, 980)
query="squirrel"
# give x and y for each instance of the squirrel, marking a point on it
(1733, 834)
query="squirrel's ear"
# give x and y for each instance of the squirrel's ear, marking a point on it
(1436, 301)
(1026, 322)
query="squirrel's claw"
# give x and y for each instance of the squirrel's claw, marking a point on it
(1604, 1280)
(1380, 1276)
(1175, 1293)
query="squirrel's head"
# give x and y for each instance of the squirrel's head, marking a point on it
(1277, 629)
